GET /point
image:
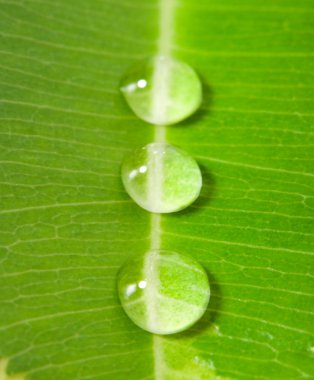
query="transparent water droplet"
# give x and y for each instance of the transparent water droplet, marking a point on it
(161, 178)
(162, 90)
(163, 292)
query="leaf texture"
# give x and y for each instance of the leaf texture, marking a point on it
(67, 225)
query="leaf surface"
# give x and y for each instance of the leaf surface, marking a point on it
(67, 224)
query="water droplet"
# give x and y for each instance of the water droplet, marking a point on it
(162, 90)
(170, 291)
(161, 178)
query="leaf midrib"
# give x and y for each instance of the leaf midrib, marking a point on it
(165, 41)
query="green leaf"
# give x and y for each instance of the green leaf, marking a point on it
(67, 225)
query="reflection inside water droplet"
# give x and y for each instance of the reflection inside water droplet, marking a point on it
(142, 284)
(130, 290)
(143, 169)
(142, 83)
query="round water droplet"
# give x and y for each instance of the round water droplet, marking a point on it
(162, 90)
(163, 292)
(161, 178)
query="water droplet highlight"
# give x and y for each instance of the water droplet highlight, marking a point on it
(162, 90)
(169, 291)
(161, 178)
